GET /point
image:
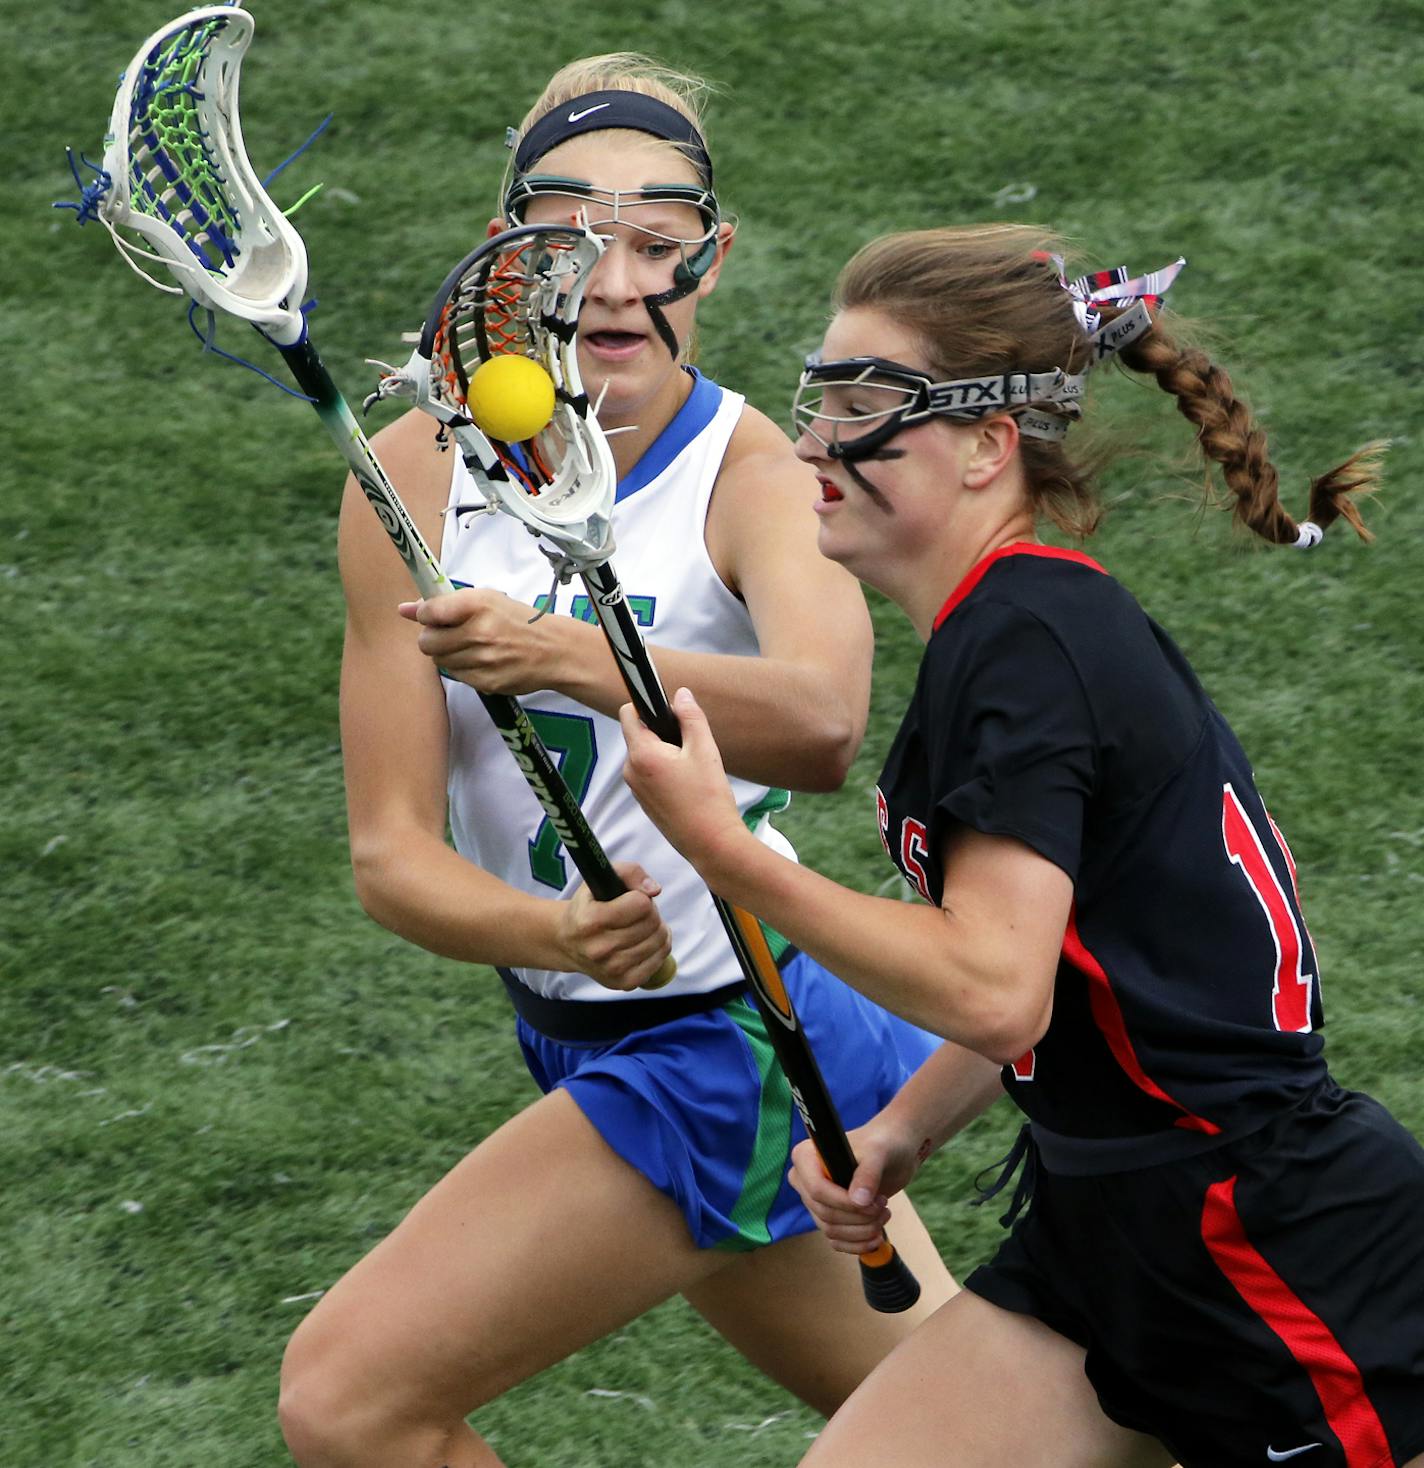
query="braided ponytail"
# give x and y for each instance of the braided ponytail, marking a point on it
(992, 298)
(1229, 436)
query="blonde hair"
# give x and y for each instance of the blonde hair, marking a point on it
(988, 299)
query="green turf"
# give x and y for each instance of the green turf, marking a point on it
(219, 1082)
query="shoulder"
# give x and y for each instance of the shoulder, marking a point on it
(1042, 594)
(410, 445)
(760, 519)
(759, 459)
(1046, 630)
(420, 471)
(1060, 587)
(996, 643)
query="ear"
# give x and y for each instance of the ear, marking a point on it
(994, 446)
(726, 234)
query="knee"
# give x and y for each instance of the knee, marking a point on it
(324, 1420)
(308, 1412)
(335, 1411)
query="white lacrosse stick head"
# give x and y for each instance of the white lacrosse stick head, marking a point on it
(181, 181)
(520, 292)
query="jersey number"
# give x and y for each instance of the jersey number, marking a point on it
(1290, 1001)
(569, 738)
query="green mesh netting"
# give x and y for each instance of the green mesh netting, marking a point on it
(174, 175)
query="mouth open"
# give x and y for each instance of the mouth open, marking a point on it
(829, 492)
(614, 343)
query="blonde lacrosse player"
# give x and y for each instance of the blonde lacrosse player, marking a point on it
(656, 1161)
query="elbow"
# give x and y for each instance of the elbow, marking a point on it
(1004, 1028)
(1009, 1045)
(369, 871)
(829, 749)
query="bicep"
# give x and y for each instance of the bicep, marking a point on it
(394, 734)
(1015, 904)
(393, 726)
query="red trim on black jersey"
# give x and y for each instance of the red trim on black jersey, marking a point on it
(1109, 1018)
(1017, 548)
(1335, 1377)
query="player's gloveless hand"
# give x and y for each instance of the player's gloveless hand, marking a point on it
(622, 943)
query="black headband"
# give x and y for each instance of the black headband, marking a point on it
(594, 110)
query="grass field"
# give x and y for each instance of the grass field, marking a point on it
(219, 1082)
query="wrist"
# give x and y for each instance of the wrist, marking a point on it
(554, 941)
(575, 653)
(912, 1129)
(727, 860)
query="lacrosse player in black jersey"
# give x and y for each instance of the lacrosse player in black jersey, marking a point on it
(1210, 1237)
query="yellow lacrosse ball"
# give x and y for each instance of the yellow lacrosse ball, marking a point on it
(511, 398)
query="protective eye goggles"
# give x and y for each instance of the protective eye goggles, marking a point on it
(868, 400)
(619, 206)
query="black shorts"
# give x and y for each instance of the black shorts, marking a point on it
(1262, 1302)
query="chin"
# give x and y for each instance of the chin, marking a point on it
(620, 382)
(826, 543)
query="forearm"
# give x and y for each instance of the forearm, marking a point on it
(947, 1092)
(423, 890)
(777, 721)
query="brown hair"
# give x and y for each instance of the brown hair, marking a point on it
(988, 299)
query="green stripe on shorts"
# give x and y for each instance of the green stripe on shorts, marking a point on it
(767, 1165)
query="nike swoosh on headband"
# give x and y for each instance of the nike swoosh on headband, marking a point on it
(577, 116)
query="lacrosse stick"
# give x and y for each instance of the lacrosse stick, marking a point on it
(520, 292)
(176, 190)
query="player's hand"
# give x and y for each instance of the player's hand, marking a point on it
(489, 640)
(622, 943)
(853, 1219)
(684, 789)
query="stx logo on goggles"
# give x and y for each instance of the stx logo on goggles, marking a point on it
(956, 397)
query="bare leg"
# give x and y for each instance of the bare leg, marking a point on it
(796, 1310)
(539, 1242)
(980, 1387)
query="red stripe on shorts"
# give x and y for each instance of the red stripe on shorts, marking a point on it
(1310, 1341)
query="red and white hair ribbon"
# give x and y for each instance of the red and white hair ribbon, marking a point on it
(1114, 287)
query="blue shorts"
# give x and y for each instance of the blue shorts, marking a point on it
(700, 1107)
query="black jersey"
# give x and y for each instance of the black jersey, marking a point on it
(1050, 708)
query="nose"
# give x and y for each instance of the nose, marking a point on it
(805, 448)
(810, 447)
(611, 282)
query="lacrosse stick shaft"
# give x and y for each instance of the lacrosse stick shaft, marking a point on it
(506, 713)
(210, 223)
(887, 1280)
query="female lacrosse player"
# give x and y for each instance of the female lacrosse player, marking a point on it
(1231, 1238)
(656, 1161)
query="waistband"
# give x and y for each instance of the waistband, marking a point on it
(602, 1021)
(1097, 1156)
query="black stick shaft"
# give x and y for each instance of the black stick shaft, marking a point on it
(889, 1284)
(508, 716)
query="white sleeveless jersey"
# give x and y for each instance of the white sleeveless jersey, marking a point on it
(680, 601)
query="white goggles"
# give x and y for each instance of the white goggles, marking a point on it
(866, 401)
(695, 252)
